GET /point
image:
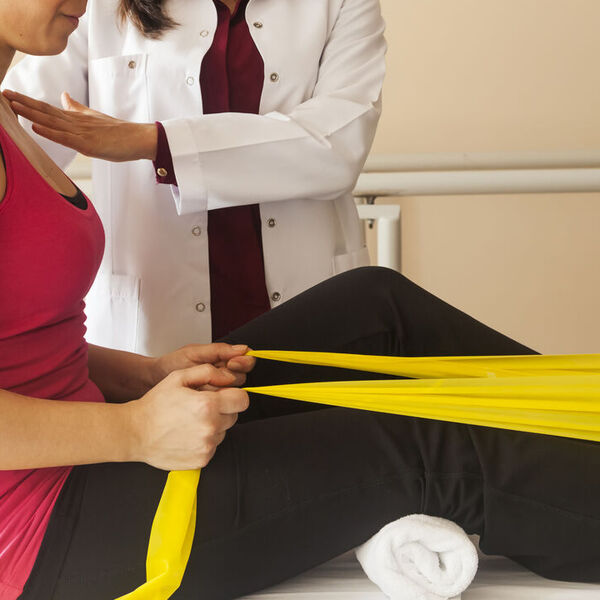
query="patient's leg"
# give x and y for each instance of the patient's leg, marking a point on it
(285, 493)
(366, 311)
(280, 496)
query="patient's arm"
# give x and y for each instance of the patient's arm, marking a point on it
(48, 433)
(122, 376)
(173, 426)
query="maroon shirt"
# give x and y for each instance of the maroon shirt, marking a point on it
(231, 80)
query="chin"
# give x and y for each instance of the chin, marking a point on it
(50, 47)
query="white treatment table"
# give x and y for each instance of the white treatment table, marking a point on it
(497, 579)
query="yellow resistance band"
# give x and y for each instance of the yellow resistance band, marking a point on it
(171, 538)
(554, 395)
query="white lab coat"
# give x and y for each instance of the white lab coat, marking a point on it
(300, 158)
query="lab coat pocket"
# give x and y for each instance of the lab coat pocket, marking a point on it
(124, 305)
(118, 86)
(113, 313)
(351, 260)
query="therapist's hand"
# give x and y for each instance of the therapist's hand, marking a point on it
(88, 131)
(220, 355)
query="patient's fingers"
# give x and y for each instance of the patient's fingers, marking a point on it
(243, 364)
(232, 401)
(226, 422)
(238, 380)
(217, 353)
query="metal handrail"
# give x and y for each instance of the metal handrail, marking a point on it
(486, 161)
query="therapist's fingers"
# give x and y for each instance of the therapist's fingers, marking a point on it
(33, 104)
(39, 117)
(74, 119)
(52, 122)
(23, 102)
(72, 104)
(86, 130)
(64, 138)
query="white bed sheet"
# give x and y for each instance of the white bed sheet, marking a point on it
(497, 579)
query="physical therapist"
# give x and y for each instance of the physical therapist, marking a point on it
(236, 133)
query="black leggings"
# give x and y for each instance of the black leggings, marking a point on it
(294, 485)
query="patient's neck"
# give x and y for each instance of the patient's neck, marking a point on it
(7, 53)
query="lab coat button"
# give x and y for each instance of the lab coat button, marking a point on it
(274, 77)
(271, 222)
(200, 307)
(190, 81)
(161, 172)
(204, 33)
(196, 230)
(131, 64)
(257, 24)
(275, 296)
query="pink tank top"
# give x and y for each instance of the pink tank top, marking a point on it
(50, 251)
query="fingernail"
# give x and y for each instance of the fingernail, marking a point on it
(240, 347)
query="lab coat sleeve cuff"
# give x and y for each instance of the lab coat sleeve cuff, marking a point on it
(163, 164)
(190, 194)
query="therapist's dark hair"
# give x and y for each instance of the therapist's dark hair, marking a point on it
(148, 16)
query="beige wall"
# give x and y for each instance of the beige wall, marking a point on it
(500, 75)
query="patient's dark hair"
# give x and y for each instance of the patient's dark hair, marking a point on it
(148, 16)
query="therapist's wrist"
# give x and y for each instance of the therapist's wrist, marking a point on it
(142, 138)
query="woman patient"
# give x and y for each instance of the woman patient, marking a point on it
(87, 434)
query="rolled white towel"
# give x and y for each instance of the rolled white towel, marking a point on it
(420, 558)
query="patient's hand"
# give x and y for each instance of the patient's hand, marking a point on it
(174, 426)
(220, 355)
(88, 131)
